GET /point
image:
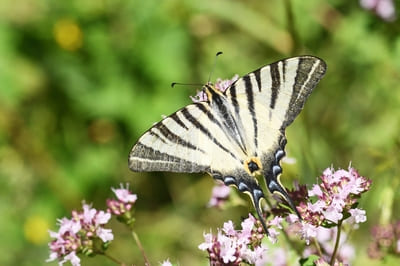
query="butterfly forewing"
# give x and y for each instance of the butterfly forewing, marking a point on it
(190, 140)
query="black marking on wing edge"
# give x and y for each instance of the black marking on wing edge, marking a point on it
(302, 73)
(257, 75)
(151, 132)
(164, 130)
(276, 83)
(250, 103)
(199, 126)
(305, 82)
(167, 162)
(284, 62)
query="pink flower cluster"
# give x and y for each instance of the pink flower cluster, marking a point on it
(336, 198)
(223, 84)
(220, 85)
(386, 239)
(84, 233)
(383, 8)
(78, 234)
(232, 247)
(123, 203)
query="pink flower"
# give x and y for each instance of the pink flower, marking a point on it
(123, 203)
(315, 191)
(166, 263)
(222, 85)
(124, 195)
(358, 215)
(220, 194)
(201, 96)
(273, 235)
(104, 234)
(383, 8)
(247, 227)
(308, 231)
(229, 228)
(102, 217)
(73, 258)
(207, 244)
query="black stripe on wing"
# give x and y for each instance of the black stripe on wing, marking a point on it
(230, 124)
(204, 130)
(175, 117)
(145, 158)
(172, 137)
(257, 75)
(276, 83)
(154, 134)
(309, 72)
(250, 106)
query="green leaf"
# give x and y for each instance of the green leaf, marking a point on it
(308, 261)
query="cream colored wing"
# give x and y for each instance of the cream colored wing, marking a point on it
(267, 100)
(190, 140)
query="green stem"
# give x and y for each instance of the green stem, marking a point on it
(339, 230)
(146, 260)
(318, 247)
(113, 259)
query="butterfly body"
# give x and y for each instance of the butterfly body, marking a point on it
(235, 135)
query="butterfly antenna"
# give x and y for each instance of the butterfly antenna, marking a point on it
(185, 84)
(213, 67)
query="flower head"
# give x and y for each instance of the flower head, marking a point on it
(385, 239)
(222, 85)
(123, 203)
(334, 197)
(166, 263)
(325, 206)
(78, 234)
(233, 247)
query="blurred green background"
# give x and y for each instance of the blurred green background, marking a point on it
(80, 81)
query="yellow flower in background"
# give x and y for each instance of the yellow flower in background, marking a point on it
(35, 230)
(68, 34)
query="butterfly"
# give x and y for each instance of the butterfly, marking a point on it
(236, 135)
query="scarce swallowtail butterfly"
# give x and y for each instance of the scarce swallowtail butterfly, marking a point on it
(235, 135)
